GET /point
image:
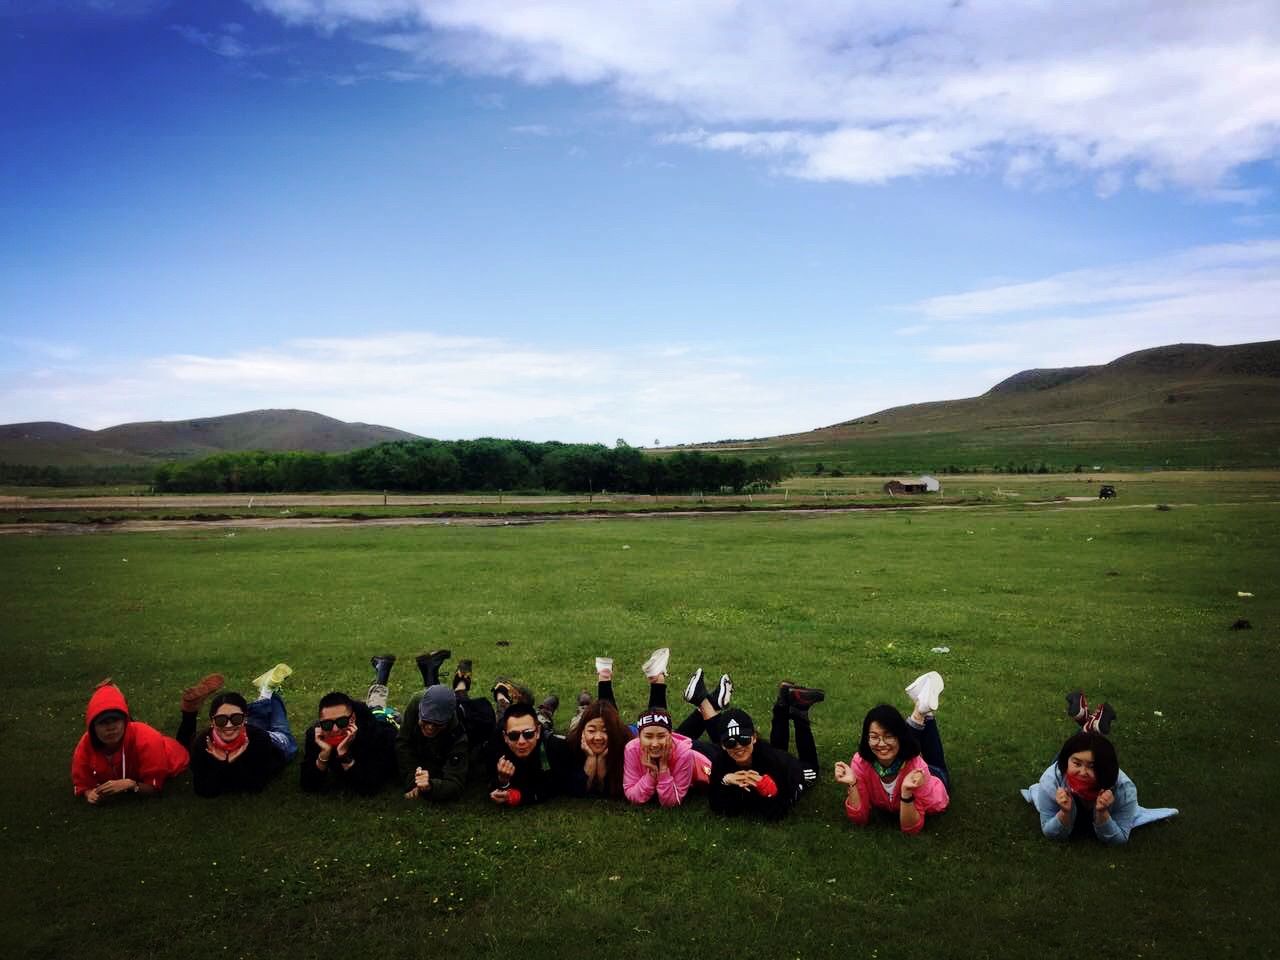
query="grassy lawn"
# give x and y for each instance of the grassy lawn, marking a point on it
(1132, 604)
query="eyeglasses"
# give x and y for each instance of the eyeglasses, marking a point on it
(876, 740)
(339, 722)
(733, 743)
(514, 736)
(228, 720)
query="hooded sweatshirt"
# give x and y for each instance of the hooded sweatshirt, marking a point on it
(687, 766)
(145, 755)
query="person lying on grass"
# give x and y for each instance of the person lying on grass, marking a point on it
(1084, 792)
(664, 762)
(352, 744)
(587, 762)
(433, 750)
(518, 778)
(118, 756)
(246, 744)
(476, 713)
(763, 779)
(899, 766)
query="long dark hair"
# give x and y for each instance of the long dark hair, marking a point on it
(618, 735)
(1106, 768)
(893, 722)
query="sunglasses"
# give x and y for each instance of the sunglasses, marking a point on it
(733, 743)
(340, 723)
(228, 720)
(514, 736)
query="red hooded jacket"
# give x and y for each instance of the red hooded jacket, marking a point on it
(146, 755)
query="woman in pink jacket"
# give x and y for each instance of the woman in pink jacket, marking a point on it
(660, 762)
(899, 767)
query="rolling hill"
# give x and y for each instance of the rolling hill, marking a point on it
(59, 444)
(1180, 405)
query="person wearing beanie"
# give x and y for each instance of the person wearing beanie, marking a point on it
(433, 752)
(246, 743)
(899, 767)
(1084, 793)
(476, 713)
(352, 744)
(518, 778)
(750, 777)
(118, 756)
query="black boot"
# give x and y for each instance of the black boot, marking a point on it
(429, 665)
(382, 665)
(462, 677)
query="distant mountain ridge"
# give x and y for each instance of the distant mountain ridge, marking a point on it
(60, 444)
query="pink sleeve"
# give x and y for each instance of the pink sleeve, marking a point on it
(863, 772)
(673, 784)
(931, 797)
(637, 782)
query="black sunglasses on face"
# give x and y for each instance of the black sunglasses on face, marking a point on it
(340, 723)
(733, 743)
(228, 720)
(514, 735)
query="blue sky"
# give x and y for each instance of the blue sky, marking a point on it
(583, 220)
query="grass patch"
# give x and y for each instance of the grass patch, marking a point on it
(1135, 605)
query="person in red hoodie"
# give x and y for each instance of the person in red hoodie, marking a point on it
(119, 756)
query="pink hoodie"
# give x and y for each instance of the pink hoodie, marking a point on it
(930, 797)
(687, 766)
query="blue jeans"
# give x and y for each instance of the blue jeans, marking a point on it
(269, 714)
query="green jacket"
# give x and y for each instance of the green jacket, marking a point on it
(444, 756)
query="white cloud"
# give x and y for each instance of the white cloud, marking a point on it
(1150, 92)
(1229, 293)
(455, 387)
(532, 129)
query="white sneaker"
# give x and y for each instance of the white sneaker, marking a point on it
(925, 690)
(604, 663)
(656, 665)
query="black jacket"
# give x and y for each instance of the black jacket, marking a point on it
(373, 750)
(247, 773)
(781, 767)
(534, 783)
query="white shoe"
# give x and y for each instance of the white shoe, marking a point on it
(925, 690)
(604, 663)
(656, 665)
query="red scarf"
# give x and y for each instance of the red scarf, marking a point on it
(229, 747)
(1084, 789)
(333, 737)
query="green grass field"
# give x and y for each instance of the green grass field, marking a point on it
(1133, 604)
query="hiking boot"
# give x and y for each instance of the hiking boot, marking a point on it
(193, 697)
(429, 665)
(462, 676)
(695, 691)
(723, 692)
(546, 714)
(584, 701)
(272, 679)
(382, 665)
(798, 698)
(1100, 720)
(504, 692)
(656, 665)
(1078, 706)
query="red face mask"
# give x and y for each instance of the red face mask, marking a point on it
(1084, 789)
(232, 745)
(333, 737)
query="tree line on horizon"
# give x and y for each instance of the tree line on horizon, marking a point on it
(487, 464)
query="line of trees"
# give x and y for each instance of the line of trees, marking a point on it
(77, 475)
(485, 464)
